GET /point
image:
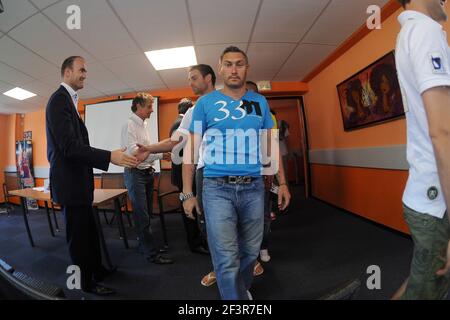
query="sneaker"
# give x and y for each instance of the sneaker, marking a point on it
(250, 297)
(209, 279)
(264, 255)
(258, 269)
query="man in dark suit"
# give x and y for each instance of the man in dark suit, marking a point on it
(72, 160)
(196, 241)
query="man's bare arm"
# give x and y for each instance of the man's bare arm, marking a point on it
(190, 157)
(437, 106)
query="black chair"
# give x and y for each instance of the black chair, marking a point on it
(12, 182)
(168, 200)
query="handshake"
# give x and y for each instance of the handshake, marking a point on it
(120, 158)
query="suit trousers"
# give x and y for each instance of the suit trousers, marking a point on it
(84, 245)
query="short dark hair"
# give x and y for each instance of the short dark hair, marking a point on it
(68, 63)
(205, 69)
(184, 105)
(233, 49)
(404, 2)
(253, 84)
(140, 99)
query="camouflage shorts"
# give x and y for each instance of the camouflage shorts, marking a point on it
(430, 236)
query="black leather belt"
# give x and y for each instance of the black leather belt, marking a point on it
(148, 170)
(238, 179)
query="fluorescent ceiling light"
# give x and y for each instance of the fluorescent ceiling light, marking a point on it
(172, 58)
(19, 94)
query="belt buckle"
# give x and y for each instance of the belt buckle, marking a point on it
(239, 179)
(233, 179)
(247, 179)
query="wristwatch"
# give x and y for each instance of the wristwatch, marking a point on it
(185, 196)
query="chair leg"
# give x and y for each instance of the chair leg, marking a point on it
(130, 224)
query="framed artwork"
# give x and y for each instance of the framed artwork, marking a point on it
(372, 95)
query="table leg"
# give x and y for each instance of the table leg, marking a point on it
(23, 201)
(49, 220)
(102, 239)
(121, 226)
(54, 218)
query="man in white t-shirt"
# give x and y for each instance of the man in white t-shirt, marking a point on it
(422, 59)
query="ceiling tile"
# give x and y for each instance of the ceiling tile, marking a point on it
(41, 4)
(40, 88)
(16, 11)
(88, 92)
(218, 21)
(102, 79)
(23, 59)
(266, 59)
(101, 32)
(44, 33)
(343, 17)
(135, 71)
(156, 24)
(4, 87)
(302, 61)
(287, 20)
(13, 76)
(176, 78)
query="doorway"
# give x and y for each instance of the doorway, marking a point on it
(291, 111)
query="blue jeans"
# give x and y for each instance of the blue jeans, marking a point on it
(234, 221)
(140, 191)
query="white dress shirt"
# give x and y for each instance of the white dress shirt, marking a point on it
(73, 94)
(422, 58)
(133, 132)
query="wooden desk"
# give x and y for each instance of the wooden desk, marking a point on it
(100, 197)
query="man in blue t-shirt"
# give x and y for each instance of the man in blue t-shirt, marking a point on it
(231, 123)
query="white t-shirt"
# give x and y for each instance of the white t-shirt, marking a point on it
(184, 129)
(133, 132)
(422, 59)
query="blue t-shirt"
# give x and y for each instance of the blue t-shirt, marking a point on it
(231, 130)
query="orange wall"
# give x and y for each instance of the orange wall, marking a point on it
(7, 143)
(372, 193)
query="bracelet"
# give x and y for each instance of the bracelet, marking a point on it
(282, 184)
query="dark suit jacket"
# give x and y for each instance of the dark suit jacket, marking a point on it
(71, 157)
(176, 176)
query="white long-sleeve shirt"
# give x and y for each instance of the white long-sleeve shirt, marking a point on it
(133, 132)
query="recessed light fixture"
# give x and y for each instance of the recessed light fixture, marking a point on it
(172, 58)
(19, 94)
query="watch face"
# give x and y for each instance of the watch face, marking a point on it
(181, 196)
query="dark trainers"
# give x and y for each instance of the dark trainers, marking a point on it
(160, 259)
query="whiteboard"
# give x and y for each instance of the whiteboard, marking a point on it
(104, 122)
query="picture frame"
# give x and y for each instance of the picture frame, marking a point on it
(372, 95)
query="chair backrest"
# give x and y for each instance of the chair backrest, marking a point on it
(168, 194)
(12, 181)
(113, 181)
(165, 182)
